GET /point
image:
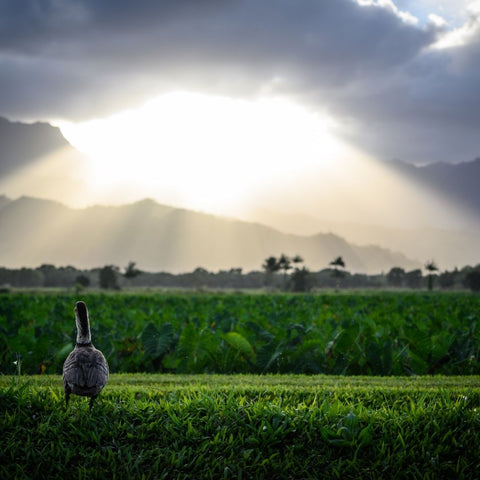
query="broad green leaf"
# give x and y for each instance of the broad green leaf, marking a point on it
(240, 343)
(156, 342)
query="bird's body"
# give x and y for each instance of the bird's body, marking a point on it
(85, 371)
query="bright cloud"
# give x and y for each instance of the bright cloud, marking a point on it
(207, 151)
(383, 69)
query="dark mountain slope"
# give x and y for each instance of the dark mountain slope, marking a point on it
(22, 143)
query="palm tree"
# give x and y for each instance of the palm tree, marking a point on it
(297, 259)
(271, 266)
(431, 267)
(285, 265)
(338, 263)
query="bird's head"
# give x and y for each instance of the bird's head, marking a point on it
(81, 310)
(83, 324)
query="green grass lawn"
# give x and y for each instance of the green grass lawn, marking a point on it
(243, 426)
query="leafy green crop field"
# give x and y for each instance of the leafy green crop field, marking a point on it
(353, 334)
(156, 426)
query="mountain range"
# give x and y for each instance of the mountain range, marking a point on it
(159, 237)
(162, 238)
(449, 248)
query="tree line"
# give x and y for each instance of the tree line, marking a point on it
(284, 273)
(337, 276)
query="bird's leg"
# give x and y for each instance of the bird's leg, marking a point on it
(92, 399)
(67, 395)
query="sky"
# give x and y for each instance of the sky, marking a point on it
(255, 91)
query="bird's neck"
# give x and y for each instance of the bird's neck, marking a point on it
(83, 331)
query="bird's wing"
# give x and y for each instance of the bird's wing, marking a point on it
(97, 372)
(85, 368)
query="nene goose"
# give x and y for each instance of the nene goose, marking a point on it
(85, 371)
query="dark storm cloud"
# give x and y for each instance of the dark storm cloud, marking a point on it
(368, 68)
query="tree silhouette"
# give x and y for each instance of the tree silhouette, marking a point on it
(413, 278)
(108, 277)
(338, 263)
(431, 267)
(297, 259)
(396, 276)
(285, 264)
(447, 279)
(472, 280)
(271, 266)
(131, 271)
(82, 280)
(302, 280)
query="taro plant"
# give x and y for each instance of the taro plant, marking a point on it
(197, 349)
(241, 346)
(157, 343)
(374, 334)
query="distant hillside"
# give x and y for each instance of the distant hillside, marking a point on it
(449, 248)
(162, 238)
(22, 143)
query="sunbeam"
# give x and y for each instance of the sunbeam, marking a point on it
(203, 152)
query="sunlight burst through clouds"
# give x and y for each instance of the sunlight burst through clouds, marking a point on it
(204, 152)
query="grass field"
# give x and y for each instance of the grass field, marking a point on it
(210, 417)
(243, 426)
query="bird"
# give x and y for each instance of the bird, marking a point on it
(85, 371)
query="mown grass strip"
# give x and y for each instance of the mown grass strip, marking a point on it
(214, 426)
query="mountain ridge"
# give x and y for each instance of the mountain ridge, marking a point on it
(162, 238)
(21, 143)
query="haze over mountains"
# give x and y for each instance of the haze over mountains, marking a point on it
(451, 246)
(161, 238)
(158, 237)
